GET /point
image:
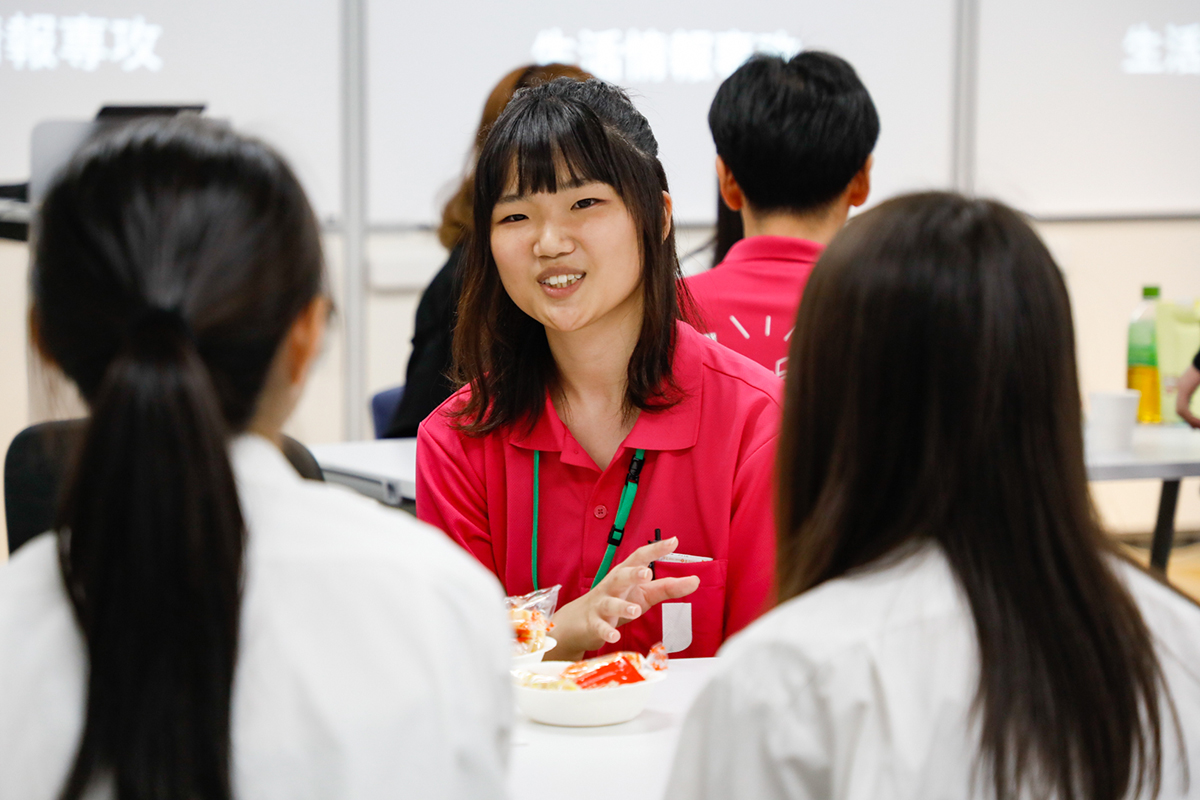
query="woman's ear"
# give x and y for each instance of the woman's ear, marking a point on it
(305, 338)
(668, 208)
(860, 184)
(731, 193)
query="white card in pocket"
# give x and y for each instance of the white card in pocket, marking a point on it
(683, 558)
(677, 626)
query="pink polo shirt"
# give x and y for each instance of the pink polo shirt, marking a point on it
(748, 302)
(706, 479)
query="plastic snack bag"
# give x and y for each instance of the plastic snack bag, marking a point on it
(614, 669)
(530, 617)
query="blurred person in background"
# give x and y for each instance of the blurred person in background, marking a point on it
(427, 381)
(204, 623)
(794, 141)
(1189, 381)
(955, 624)
(598, 434)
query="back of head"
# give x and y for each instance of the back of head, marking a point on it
(171, 259)
(457, 213)
(552, 135)
(932, 395)
(793, 133)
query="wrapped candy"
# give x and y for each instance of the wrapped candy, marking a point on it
(530, 617)
(614, 669)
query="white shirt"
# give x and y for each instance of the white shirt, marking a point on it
(862, 689)
(373, 656)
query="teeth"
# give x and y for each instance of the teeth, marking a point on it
(559, 281)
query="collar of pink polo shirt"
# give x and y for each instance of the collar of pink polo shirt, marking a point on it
(774, 248)
(675, 428)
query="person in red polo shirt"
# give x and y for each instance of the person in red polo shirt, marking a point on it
(599, 442)
(794, 141)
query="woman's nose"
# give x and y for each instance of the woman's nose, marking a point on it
(552, 241)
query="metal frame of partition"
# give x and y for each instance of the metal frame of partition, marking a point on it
(354, 216)
(966, 58)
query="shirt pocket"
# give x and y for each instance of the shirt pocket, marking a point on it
(694, 626)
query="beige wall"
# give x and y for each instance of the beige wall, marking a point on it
(14, 392)
(1106, 264)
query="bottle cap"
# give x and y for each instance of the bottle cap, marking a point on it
(1149, 292)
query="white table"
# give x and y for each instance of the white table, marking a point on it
(387, 470)
(628, 760)
(1168, 453)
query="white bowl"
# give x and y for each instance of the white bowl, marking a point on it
(587, 707)
(526, 660)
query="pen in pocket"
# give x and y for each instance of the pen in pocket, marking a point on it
(657, 538)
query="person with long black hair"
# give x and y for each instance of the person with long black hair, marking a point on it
(954, 623)
(597, 434)
(204, 623)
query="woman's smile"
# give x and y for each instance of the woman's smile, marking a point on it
(560, 282)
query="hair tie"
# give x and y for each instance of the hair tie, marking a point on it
(157, 323)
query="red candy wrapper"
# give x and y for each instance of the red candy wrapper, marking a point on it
(614, 669)
(611, 670)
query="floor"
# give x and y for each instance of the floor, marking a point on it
(1183, 570)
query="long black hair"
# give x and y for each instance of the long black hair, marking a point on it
(932, 394)
(171, 258)
(563, 131)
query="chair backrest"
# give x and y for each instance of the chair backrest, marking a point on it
(36, 466)
(383, 408)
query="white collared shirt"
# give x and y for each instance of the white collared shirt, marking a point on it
(373, 656)
(862, 689)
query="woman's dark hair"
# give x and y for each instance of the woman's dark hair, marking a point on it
(932, 395)
(458, 213)
(793, 133)
(171, 259)
(562, 132)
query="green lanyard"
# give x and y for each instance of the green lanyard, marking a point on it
(618, 529)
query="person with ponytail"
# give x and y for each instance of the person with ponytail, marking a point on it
(953, 623)
(203, 623)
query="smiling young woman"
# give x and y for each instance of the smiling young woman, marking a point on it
(591, 414)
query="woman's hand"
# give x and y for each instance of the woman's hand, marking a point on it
(1188, 381)
(627, 592)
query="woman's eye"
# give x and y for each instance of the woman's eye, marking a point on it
(587, 202)
(512, 218)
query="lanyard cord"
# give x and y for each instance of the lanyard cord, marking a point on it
(628, 494)
(537, 458)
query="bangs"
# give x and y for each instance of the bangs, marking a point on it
(554, 145)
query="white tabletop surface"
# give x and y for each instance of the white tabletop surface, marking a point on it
(631, 760)
(1163, 452)
(390, 464)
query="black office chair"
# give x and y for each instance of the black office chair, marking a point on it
(38, 459)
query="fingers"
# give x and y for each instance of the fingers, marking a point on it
(624, 579)
(662, 589)
(615, 608)
(604, 631)
(650, 552)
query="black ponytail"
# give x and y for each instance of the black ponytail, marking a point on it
(171, 260)
(151, 549)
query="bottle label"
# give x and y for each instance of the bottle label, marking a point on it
(1142, 350)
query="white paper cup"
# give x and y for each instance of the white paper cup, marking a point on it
(1111, 418)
